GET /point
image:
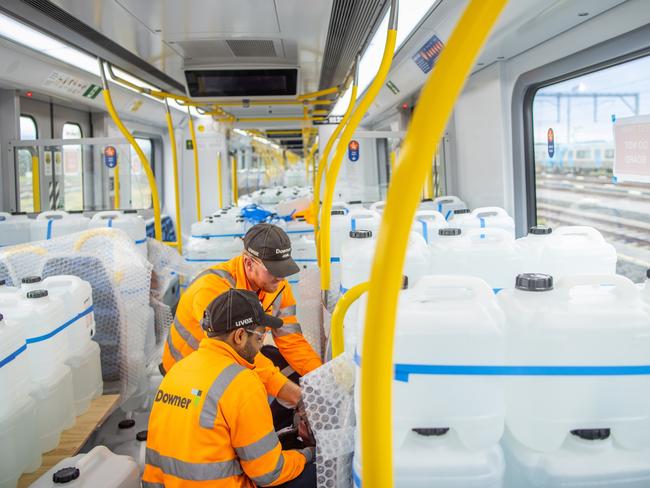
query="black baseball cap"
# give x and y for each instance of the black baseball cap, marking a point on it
(234, 309)
(272, 246)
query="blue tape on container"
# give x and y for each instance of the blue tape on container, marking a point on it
(353, 225)
(50, 222)
(306, 231)
(61, 328)
(109, 223)
(343, 290)
(439, 207)
(448, 214)
(356, 478)
(425, 230)
(403, 371)
(210, 236)
(206, 260)
(13, 355)
(294, 282)
(141, 241)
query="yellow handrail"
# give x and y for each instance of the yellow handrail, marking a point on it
(320, 93)
(337, 160)
(310, 160)
(322, 163)
(116, 184)
(235, 188)
(342, 306)
(392, 161)
(426, 129)
(177, 194)
(143, 159)
(197, 180)
(36, 183)
(219, 180)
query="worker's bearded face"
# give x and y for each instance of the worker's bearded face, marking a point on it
(259, 277)
(252, 345)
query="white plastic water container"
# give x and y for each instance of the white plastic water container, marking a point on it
(446, 205)
(362, 219)
(83, 356)
(427, 223)
(42, 319)
(14, 229)
(490, 254)
(457, 214)
(6, 289)
(589, 335)
(212, 250)
(19, 450)
(434, 320)
(303, 252)
(339, 229)
(127, 220)
(440, 461)
(56, 223)
(531, 247)
(575, 250)
(99, 468)
(579, 462)
(296, 229)
(482, 217)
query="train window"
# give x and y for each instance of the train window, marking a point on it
(140, 190)
(28, 131)
(72, 168)
(574, 117)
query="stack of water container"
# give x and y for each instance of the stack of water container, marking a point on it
(47, 355)
(216, 238)
(446, 429)
(127, 220)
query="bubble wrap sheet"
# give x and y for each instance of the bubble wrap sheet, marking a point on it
(120, 278)
(329, 403)
(308, 304)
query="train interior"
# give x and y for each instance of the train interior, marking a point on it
(139, 141)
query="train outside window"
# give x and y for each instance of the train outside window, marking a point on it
(574, 157)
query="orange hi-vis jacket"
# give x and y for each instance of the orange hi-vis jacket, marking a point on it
(186, 332)
(211, 425)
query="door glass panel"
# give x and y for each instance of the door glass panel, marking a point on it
(140, 189)
(28, 131)
(574, 155)
(71, 169)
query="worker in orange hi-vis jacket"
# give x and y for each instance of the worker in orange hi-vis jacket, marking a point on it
(262, 267)
(210, 424)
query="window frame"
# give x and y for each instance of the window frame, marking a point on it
(77, 124)
(617, 50)
(33, 119)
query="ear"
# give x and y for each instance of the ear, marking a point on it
(238, 336)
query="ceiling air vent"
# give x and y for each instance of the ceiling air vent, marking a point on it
(252, 48)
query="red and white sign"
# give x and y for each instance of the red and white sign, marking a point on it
(632, 143)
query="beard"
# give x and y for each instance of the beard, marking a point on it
(249, 351)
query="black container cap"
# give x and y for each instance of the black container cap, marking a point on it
(461, 211)
(355, 202)
(431, 431)
(592, 434)
(337, 212)
(449, 231)
(130, 211)
(405, 282)
(647, 274)
(18, 213)
(126, 424)
(540, 230)
(65, 475)
(141, 436)
(1, 317)
(300, 219)
(36, 294)
(534, 282)
(427, 199)
(31, 279)
(77, 211)
(360, 234)
(3, 282)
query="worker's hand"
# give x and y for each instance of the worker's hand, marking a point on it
(301, 423)
(289, 395)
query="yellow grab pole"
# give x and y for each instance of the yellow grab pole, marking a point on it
(235, 189)
(337, 160)
(219, 180)
(36, 183)
(116, 184)
(392, 161)
(197, 181)
(177, 195)
(322, 163)
(320, 93)
(143, 159)
(426, 129)
(342, 306)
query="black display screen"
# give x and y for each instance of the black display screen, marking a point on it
(242, 83)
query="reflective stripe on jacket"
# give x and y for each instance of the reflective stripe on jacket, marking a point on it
(186, 332)
(211, 425)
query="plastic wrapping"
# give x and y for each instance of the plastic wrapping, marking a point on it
(329, 402)
(120, 278)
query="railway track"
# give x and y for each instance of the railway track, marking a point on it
(603, 189)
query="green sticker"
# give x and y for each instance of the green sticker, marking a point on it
(92, 91)
(188, 144)
(392, 87)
